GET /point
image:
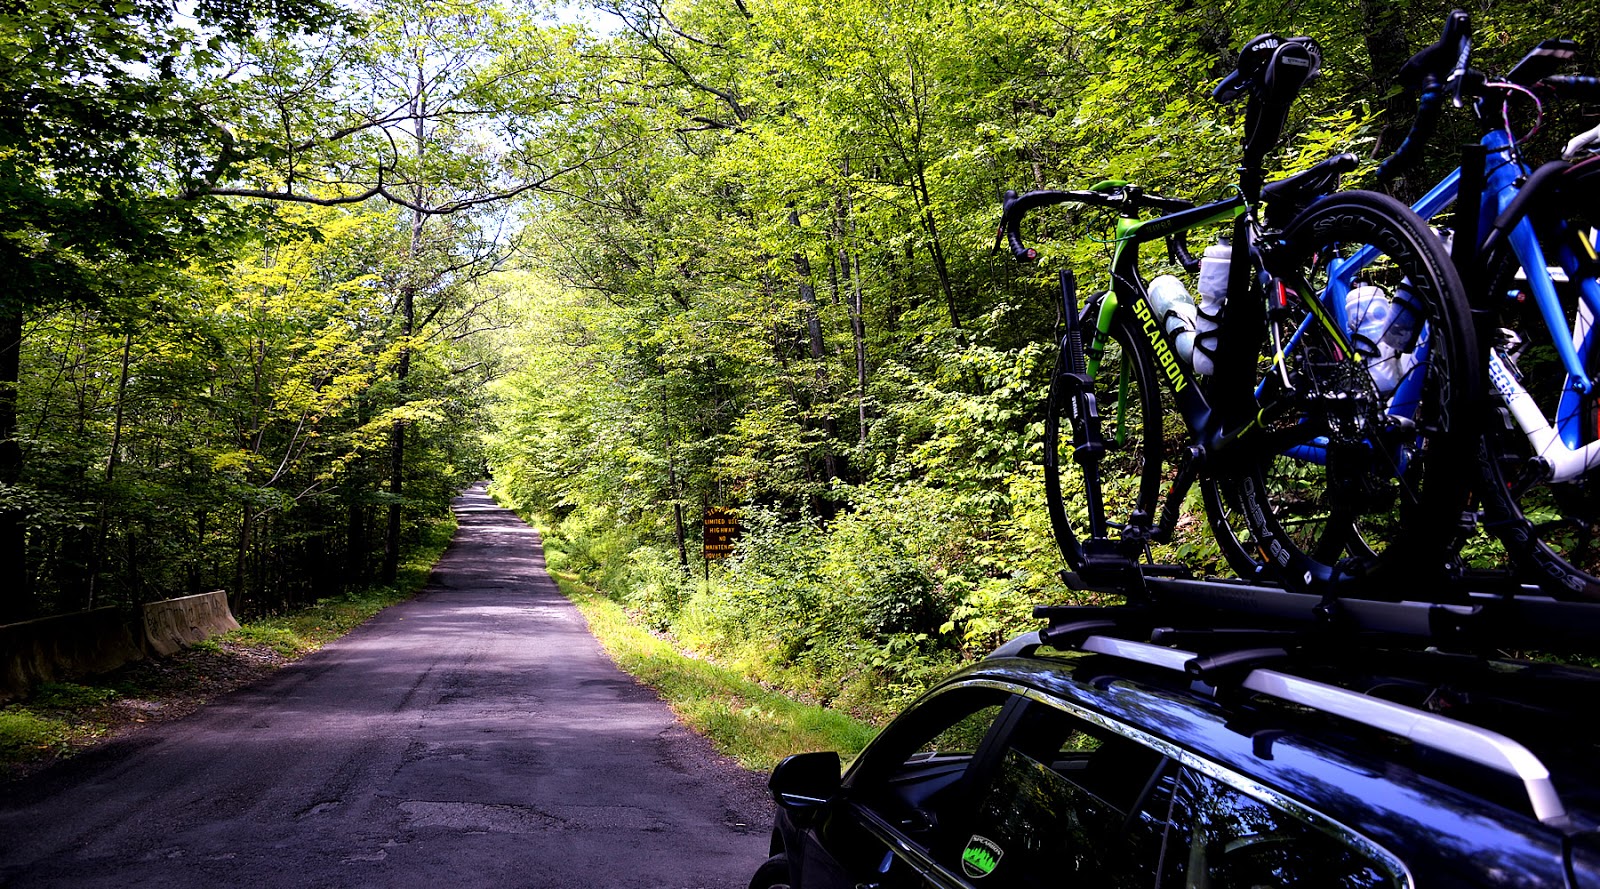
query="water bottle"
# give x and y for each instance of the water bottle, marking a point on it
(1383, 329)
(1366, 308)
(1174, 308)
(1397, 349)
(1213, 293)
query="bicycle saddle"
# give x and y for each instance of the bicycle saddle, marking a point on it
(1286, 197)
(1272, 69)
(1312, 183)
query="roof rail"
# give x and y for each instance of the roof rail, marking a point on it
(1469, 742)
(1246, 657)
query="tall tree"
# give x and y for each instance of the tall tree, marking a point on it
(446, 108)
(100, 132)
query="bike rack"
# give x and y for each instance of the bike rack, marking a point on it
(1518, 617)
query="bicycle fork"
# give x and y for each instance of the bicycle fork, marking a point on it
(1073, 381)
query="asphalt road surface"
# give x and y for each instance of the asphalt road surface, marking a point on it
(474, 736)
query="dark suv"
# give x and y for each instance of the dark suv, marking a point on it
(1122, 748)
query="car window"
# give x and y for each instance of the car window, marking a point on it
(908, 780)
(1065, 803)
(914, 770)
(1232, 840)
(962, 737)
(945, 729)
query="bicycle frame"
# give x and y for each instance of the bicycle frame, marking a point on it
(1128, 287)
(1561, 446)
(1214, 433)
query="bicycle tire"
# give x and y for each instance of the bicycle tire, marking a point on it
(1130, 426)
(1550, 529)
(1225, 516)
(1384, 505)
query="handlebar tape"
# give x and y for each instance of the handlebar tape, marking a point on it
(1421, 131)
(1441, 58)
(1014, 207)
(1574, 86)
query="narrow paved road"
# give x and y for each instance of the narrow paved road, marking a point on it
(475, 736)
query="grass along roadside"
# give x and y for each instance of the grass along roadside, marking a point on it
(60, 719)
(752, 724)
(744, 719)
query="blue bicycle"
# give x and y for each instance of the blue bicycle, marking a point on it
(1533, 260)
(1531, 269)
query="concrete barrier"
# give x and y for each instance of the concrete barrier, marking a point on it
(176, 624)
(90, 642)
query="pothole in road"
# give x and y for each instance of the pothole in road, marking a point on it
(481, 817)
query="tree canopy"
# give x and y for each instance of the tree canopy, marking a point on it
(277, 279)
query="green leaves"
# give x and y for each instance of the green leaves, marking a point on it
(773, 289)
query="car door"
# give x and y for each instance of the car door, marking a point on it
(992, 788)
(1233, 834)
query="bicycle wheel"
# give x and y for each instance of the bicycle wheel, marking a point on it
(1366, 454)
(1542, 486)
(1225, 516)
(1100, 493)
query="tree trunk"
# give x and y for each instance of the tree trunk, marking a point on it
(397, 441)
(858, 334)
(408, 309)
(1382, 28)
(397, 430)
(677, 517)
(830, 427)
(391, 534)
(672, 486)
(936, 251)
(16, 601)
(241, 563)
(197, 561)
(849, 264)
(102, 526)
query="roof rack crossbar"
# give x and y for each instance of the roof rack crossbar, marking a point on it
(1143, 652)
(1487, 748)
